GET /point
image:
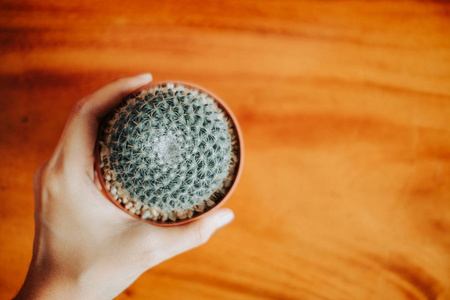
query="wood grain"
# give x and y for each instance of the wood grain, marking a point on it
(345, 110)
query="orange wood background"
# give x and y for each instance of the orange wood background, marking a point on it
(345, 110)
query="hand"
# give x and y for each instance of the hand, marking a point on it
(84, 246)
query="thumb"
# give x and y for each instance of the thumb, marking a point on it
(175, 240)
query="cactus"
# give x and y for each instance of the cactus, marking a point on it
(168, 152)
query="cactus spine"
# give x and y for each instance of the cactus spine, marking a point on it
(168, 153)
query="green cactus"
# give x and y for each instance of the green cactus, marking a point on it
(168, 152)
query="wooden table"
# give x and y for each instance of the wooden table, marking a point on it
(345, 110)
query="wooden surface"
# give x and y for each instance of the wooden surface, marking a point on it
(345, 110)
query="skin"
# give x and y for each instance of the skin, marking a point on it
(84, 246)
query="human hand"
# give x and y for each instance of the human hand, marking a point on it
(84, 246)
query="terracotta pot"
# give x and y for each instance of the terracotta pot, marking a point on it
(238, 170)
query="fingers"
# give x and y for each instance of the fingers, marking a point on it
(78, 139)
(104, 99)
(176, 240)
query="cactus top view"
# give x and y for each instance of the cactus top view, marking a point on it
(168, 153)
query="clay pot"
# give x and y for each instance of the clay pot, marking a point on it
(234, 177)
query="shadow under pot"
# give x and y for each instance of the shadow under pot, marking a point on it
(169, 153)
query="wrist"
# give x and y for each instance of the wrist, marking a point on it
(44, 282)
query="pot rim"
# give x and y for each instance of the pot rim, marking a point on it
(238, 172)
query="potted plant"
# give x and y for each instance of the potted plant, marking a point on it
(169, 153)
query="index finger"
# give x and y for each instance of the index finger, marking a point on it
(78, 139)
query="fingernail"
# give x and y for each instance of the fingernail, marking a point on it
(225, 217)
(145, 77)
